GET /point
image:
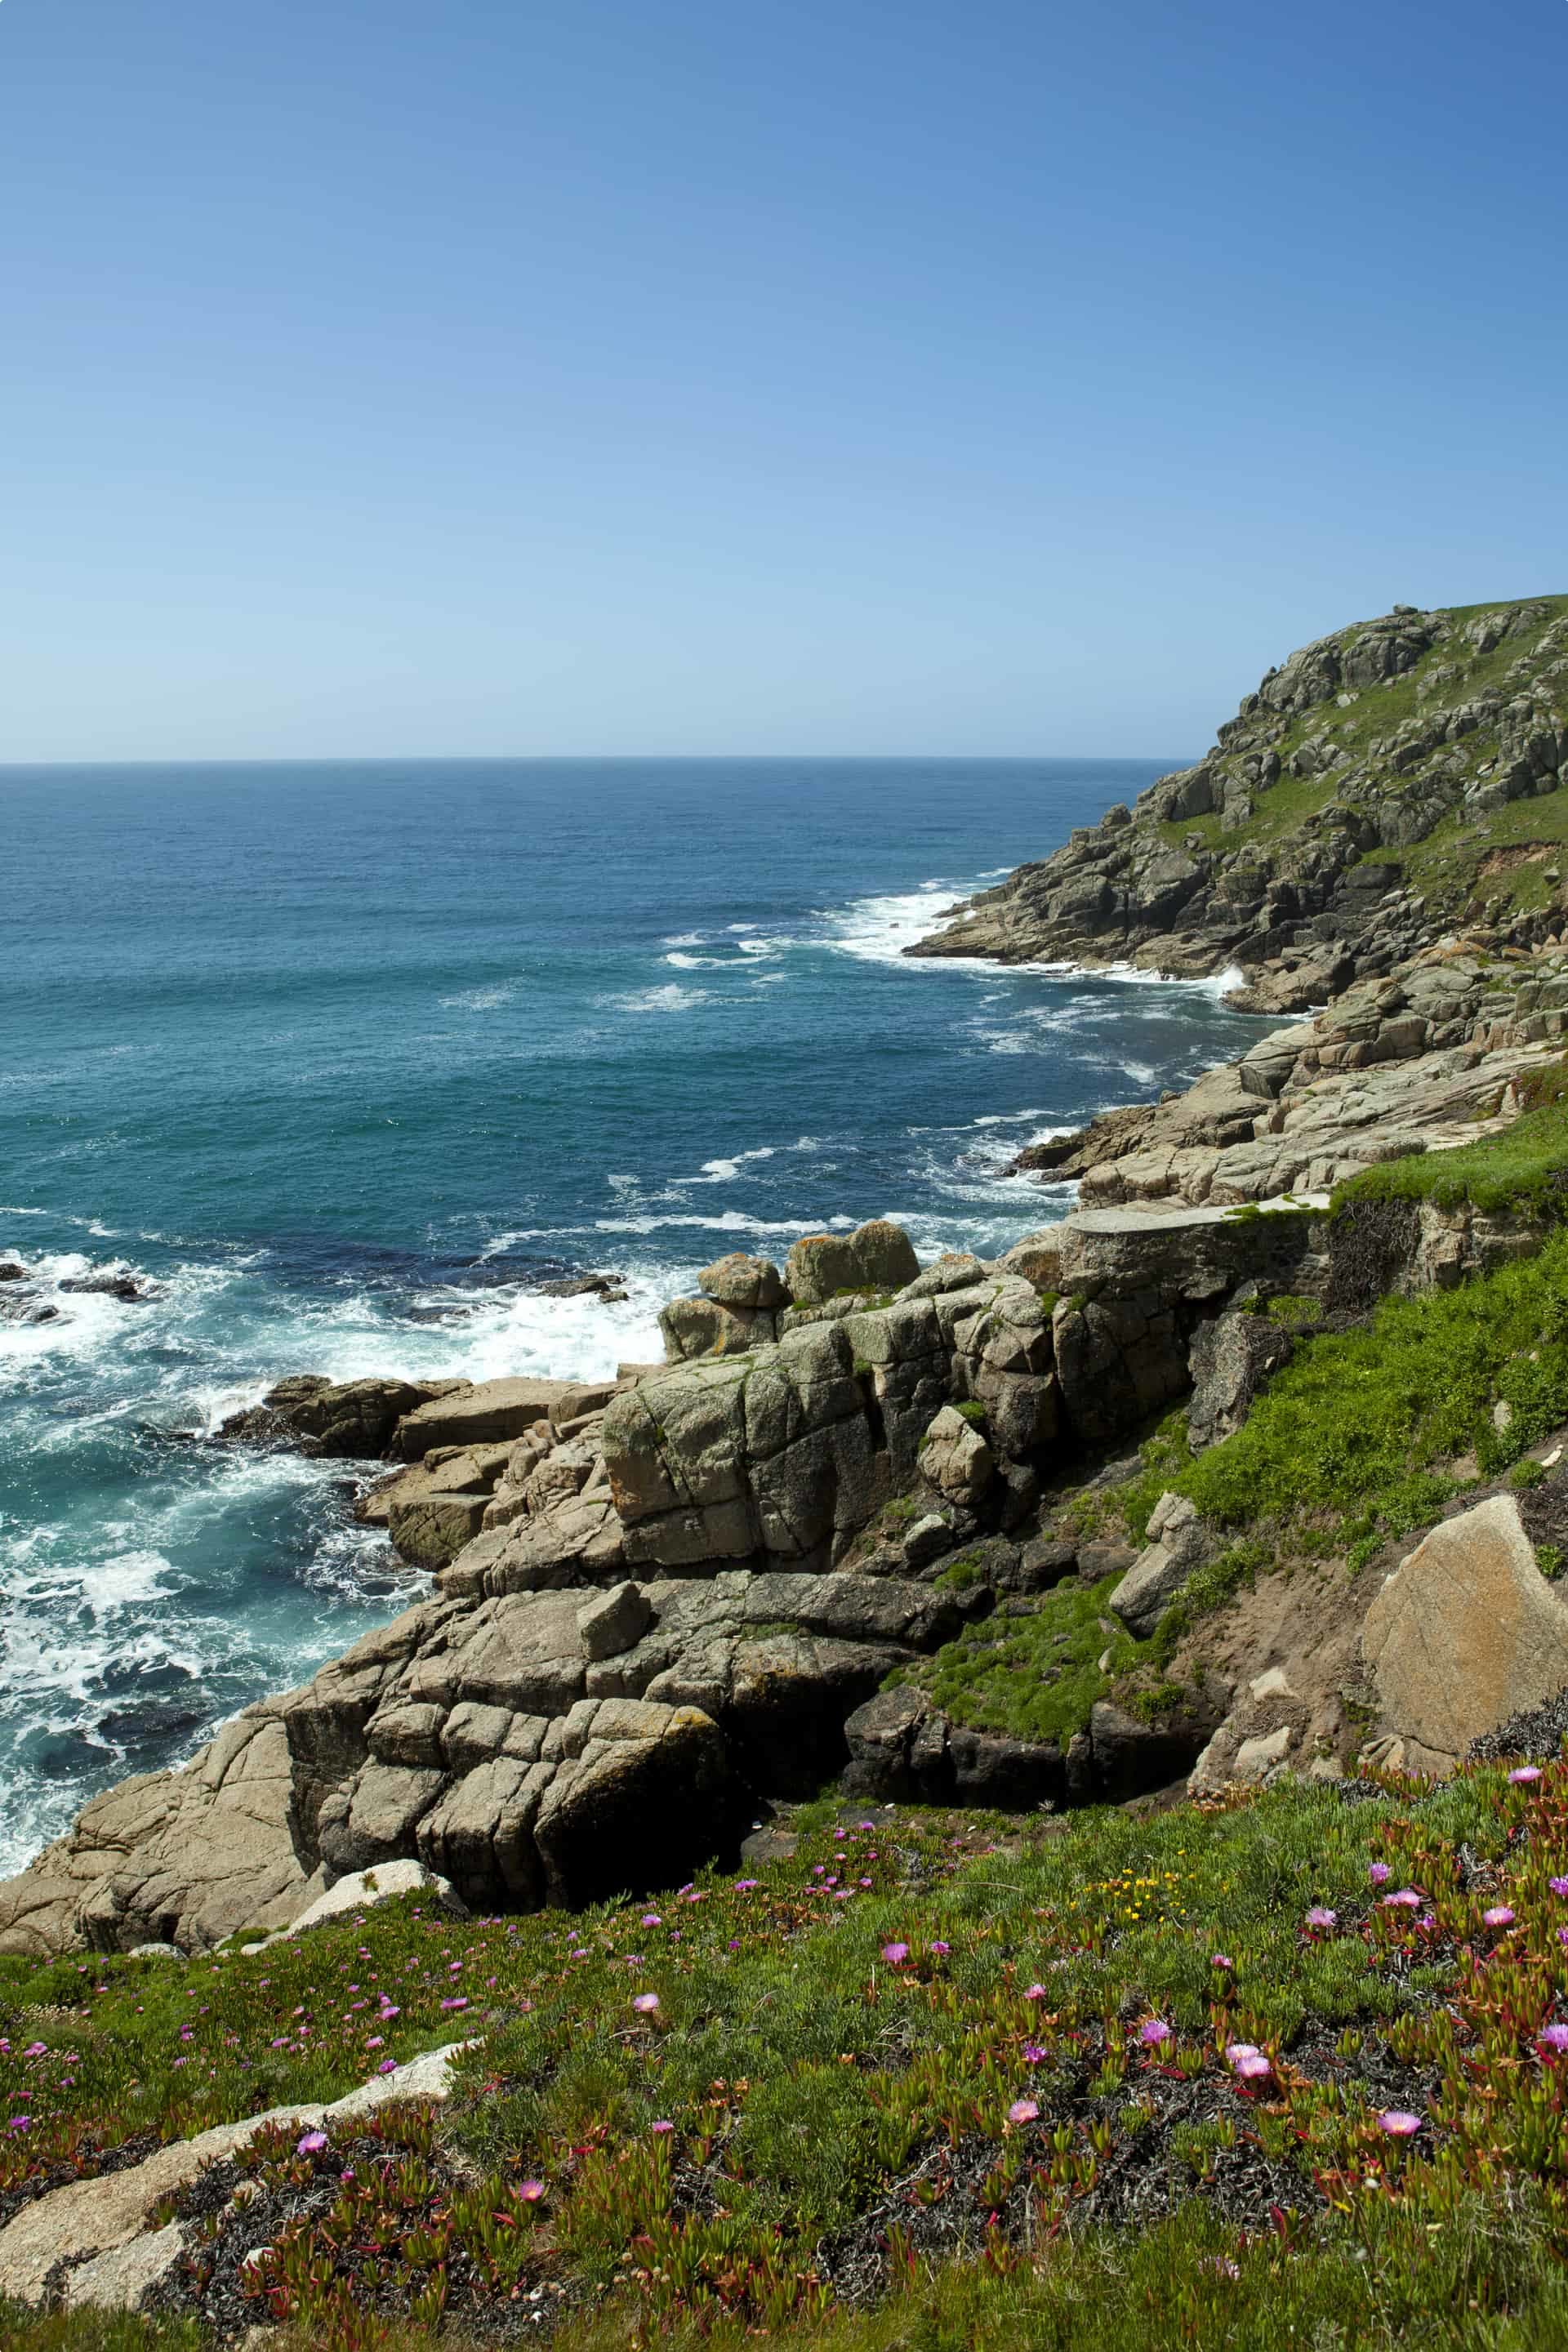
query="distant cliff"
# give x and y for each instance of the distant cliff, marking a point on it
(1399, 777)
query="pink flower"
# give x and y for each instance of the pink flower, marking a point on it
(744, 1885)
(941, 1950)
(651, 1919)
(21, 2122)
(1405, 1900)
(1022, 2111)
(1554, 2038)
(1320, 1916)
(1035, 1992)
(387, 2066)
(35, 2050)
(529, 2191)
(1032, 2053)
(1558, 1885)
(1523, 1774)
(1500, 1915)
(1379, 1873)
(1247, 2061)
(460, 2000)
(1153, 2032)
(375, 2041)
(1221, 1961)
(661, 2125)
(895, 1954)
(645, 2004)
(1398, 2123)
(312, 2142)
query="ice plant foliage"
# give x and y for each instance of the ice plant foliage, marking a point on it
(1000, 2030)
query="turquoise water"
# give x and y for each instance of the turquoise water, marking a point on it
(349, 1059)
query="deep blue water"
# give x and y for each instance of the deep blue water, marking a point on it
(347, 1058)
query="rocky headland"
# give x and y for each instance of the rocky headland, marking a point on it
(1381, 787)
(1026, 1532)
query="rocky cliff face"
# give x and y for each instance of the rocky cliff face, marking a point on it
(1383, 782)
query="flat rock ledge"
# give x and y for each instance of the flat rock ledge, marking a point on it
(91, 2238)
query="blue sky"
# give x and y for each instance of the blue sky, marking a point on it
(836, 376)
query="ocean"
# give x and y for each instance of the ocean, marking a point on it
(347, 1060)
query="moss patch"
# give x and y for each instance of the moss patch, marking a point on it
(1035, 1676)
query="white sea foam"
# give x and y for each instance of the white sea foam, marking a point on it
(724, 1171)
(480, 1000)
(878, 929)
(671, 998)
(123, 1579)
(687, 939)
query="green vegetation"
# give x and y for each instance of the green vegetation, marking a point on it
(1356, 1438)
(1035, 1676)
(1285, 1306)
(1523, 1170)
(1445, 866)
(917, 2086)
(973, 1411)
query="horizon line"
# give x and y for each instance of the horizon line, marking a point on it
(540, 759)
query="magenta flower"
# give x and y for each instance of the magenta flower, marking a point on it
(1032, 2053)
(1320, 1916)
(895, 1954)
(1398, 2123)
(529, 2191)
(1247, 2061)
(21, 2122)
(35, 2050)
(651, 1919)
(312, 2142)
(645, 2004)
(1523, 1774)
(1379, 1873)
(375, 2041)
(1558, 1885)
(1554, 2038)
(1406, 1899)
(387, 2066)
(1221, 1961)
(1022, 2111)
(1035, 1993)
(744, 1885)
(1153, 2032)
(941, 1950)
(1500, 1915)
(460, 2000)
(661, 2125)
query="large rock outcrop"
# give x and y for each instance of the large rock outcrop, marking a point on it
(1440, 1052)
(1466, 1632)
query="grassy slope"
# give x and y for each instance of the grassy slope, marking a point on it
(1355, 1440)
(839, 2104)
